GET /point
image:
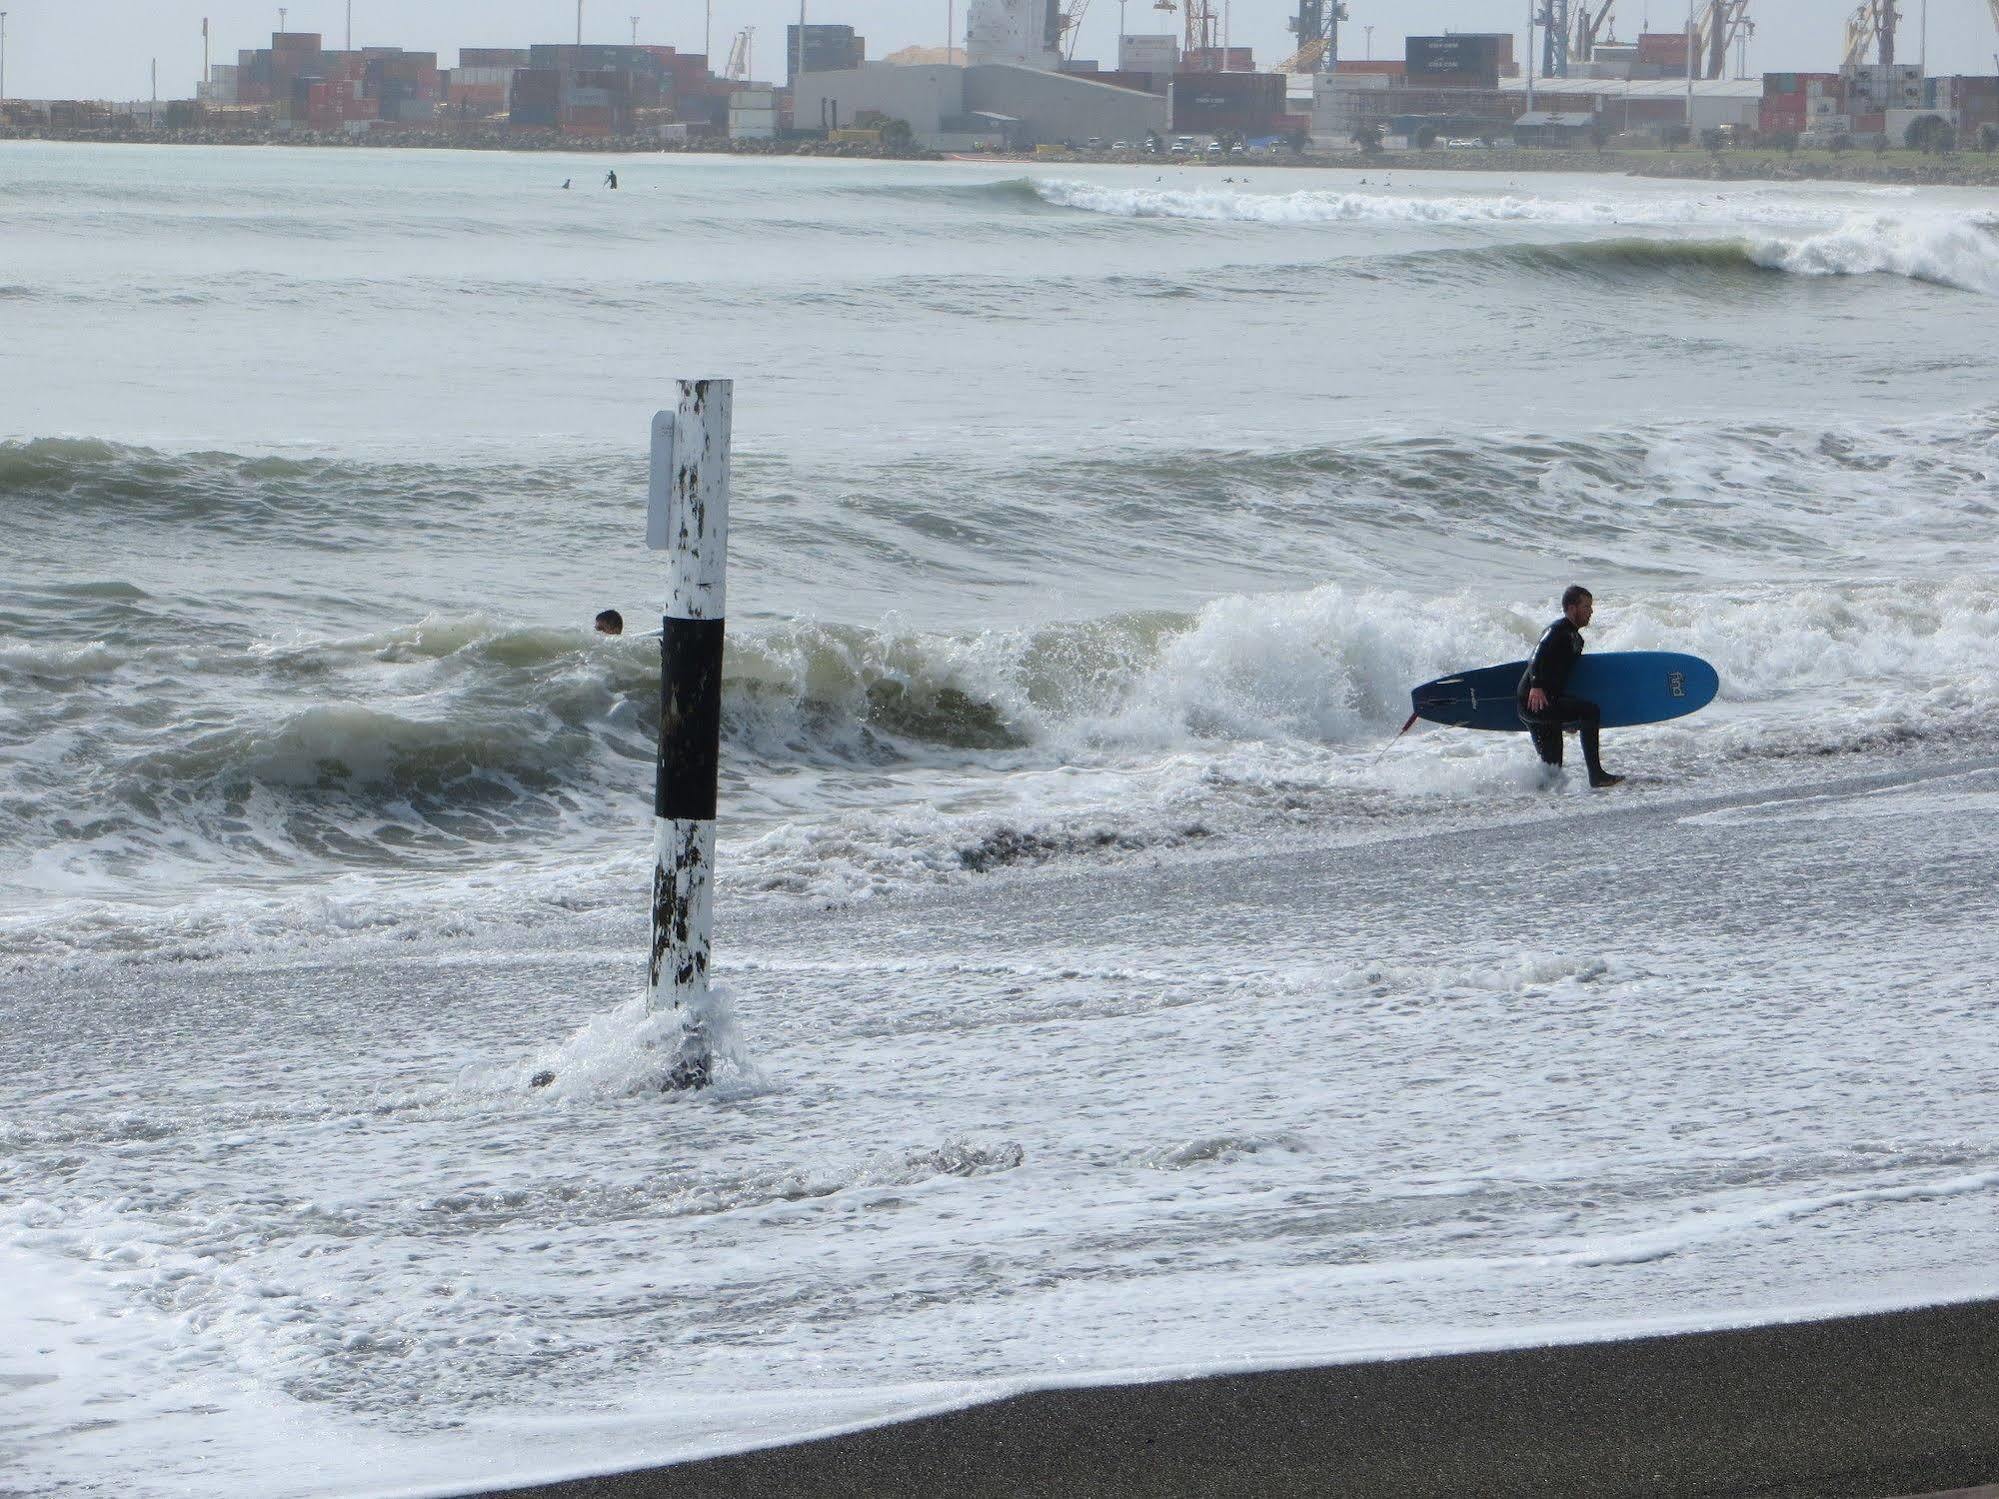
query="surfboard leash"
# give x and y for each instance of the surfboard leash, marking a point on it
(1391, 743)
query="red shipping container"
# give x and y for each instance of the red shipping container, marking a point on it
(1663, 47)
(1874, 124)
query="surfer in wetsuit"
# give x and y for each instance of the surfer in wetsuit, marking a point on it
(1545, 704)
(610, 622)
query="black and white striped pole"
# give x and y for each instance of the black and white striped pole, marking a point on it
(687, 516)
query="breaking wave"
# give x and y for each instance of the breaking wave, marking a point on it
(1959, 251)
(512, 727)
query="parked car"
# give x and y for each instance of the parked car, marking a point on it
(1095, 143)
(1238, 150)
(1181, 147)
(1214, 148)
(1120, 145)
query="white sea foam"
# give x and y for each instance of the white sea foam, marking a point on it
(1786, 234)
(1963, 252)
(1319, 206)
(1200, 1027)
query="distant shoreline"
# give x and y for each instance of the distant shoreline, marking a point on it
(475, 140)
(1897, 169)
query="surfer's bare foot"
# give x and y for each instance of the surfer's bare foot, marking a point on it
(1603, 780)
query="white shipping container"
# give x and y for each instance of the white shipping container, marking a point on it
(1899, 121)
(1148, 54)
(753, 98)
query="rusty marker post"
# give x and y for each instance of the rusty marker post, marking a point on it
(687, 516)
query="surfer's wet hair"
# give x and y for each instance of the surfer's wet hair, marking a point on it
(1574, 594)
(611, 622)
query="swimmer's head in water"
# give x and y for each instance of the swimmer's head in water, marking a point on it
(610, 622)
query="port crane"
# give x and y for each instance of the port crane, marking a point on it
(1590, 30)
(1069, 27)
(739, 56)
(1721, 23)
(1199, 31)
(1555, 30)
(1317, 27)
(1871, 25)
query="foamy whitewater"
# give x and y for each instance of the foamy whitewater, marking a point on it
(1110, 998)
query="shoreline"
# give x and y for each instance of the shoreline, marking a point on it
(1854, 1407)
(1900, 169)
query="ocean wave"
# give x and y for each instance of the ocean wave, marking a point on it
(508, 728)
(310, 499)
(1960, 251)
(1380, 206)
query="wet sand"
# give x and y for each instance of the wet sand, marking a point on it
(1898, 1403)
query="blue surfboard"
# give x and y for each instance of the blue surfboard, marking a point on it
(1631, 687)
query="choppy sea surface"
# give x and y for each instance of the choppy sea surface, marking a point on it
(1111, 998)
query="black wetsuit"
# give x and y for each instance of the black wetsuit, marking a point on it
(1554, 661)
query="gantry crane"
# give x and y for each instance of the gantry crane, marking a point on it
(1721, 23)
(1872, 25)
(739, 55)
(1590, 30)
(1555, 38)
(1317, 27)
(1069, 27)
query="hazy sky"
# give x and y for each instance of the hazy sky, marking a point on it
(103, 48)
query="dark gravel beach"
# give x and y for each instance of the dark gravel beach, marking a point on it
(1851, 1408)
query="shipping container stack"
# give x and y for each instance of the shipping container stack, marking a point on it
(1465, 60)
(1882, 99)
(590, 91)
(1250, 104)
(1660, 54)
(1783, 109)
(826, 49)
(753, 114)
(404, 86)
(1218, 60)
(1968, 103)
(534, 100)
(1149, 54)
(479, 87)
(1828, 112)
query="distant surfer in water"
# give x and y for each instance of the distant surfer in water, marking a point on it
(611, 179)
(610, 622)
(1545, 705)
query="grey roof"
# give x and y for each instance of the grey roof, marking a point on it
(1575, 119)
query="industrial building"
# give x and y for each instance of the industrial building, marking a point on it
(1014, 33)
(963, 108)
(1019, 84)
